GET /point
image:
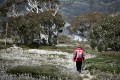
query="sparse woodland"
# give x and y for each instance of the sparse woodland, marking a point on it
(33, 47)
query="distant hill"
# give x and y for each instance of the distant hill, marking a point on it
(70, 8)
(1, 1)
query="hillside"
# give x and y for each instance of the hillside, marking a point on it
(70, 8)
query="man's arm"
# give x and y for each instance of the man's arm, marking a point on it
(83, 57)
(74, 55)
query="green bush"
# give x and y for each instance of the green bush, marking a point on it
(101, 31)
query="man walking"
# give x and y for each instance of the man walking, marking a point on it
(78, 57)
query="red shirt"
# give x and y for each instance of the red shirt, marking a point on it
(78, 55)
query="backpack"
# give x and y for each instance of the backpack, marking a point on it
(79, 54)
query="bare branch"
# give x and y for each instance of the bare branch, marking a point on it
(57, 8)
(13, 11)
(33, 4)
(44, 5)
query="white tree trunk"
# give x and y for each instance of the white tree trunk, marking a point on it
(33, 6)
(56, 10)
(13, 11)
(6, 33)
(45, 6)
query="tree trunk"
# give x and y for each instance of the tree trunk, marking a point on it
(6, 34)
(25, 39)
(55, 40)
(49, 39)
(50, 36)
(39, 38)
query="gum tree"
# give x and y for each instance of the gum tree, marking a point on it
(105, 34)
(80, 25)
(45, 21)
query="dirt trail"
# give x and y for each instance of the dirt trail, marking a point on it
(85, 73)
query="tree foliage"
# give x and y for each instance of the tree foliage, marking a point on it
(29, 27)
(102, 29)
(105, 34)
(36, 17)
(13, 7)
(80, 25)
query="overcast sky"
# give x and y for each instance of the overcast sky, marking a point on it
(1, 1)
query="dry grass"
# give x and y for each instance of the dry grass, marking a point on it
(22, 65)
(49, 71)
(105, 66)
